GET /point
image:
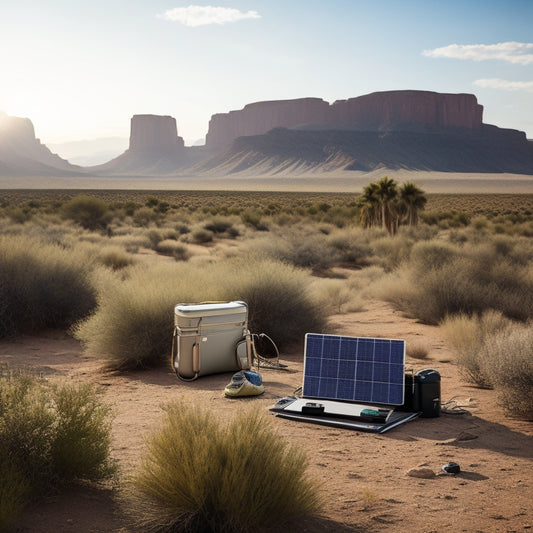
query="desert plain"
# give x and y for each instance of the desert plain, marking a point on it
(369, 482)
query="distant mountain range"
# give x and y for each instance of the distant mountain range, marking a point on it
(90, 152)
(414, 130)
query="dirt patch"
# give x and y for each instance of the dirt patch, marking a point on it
(365, 476)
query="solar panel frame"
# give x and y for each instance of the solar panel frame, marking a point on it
(354, 369)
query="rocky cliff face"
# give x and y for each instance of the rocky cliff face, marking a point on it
(153, 133)
(382, 111)
(261, 117)
(409, 111)
(155, 148)
(22, 154)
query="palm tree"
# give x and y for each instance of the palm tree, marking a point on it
(412, 200)
(370, 214)
(386, 193)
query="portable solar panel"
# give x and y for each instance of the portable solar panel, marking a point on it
(354, 369)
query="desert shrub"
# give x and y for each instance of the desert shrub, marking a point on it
(145, 216)
(200, 476)
(132, 325)
(88, 211)
(48, 435)
(174, 249)
(82, 436)
(390, 251)
(509, 367)
(441, 279)
(202, 236)
(41, 285)
(299, 247)
(14, 491)
(495, 352)
(155, 237)
(278, 297)
(115, 257)
(467, 335)
(336, 296)
(218, 225)
(417, 350)
(253, 218)
(19, 215)
(349, 246)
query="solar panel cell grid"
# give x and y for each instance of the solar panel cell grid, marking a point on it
(359, 369)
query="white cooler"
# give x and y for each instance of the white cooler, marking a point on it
(210, 338)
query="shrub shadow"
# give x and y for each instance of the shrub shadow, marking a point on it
(467, 431)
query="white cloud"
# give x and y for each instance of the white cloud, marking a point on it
(512, 52)
(201, 15)
(496, 83)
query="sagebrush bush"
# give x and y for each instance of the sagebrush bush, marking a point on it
(173, 249)
(441, 279)
(508, 363)
(48, 435)
(417, 350)
(200, 476)
(467, 336)
(82, 437)
(42, 285)
(88, 211)
(133, 323)
(335, 295)
(14, 491)
(115, 257)
(495, 352)
(201, 236)
(278, 296)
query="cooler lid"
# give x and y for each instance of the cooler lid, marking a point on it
(211, 307)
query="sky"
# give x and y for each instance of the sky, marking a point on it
(81, 69)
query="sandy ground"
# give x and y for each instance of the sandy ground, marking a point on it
(364, 475)
(345, 181)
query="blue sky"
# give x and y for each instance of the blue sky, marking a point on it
(81, 70)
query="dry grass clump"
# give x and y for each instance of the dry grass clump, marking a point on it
(133, 323)
(201, 236)
(42, 285)
(222, 227)
(309, 246)
(279, 300)
(417, 350)
(173, 249)
(200, 476)
(442, 279)
(115, 257)
(48, 435)
(337, 296)
(495, 352)
(88, 211)
(509, 365)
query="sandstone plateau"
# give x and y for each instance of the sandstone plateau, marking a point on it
(381, 111)
(413, 130)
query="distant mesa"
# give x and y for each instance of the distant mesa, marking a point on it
(411, 130)
(155, 148)
(261, 117)
(381, 111)
(21, 154)
(156, 134)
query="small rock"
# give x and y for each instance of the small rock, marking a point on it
(423, 473)
(461, 437)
